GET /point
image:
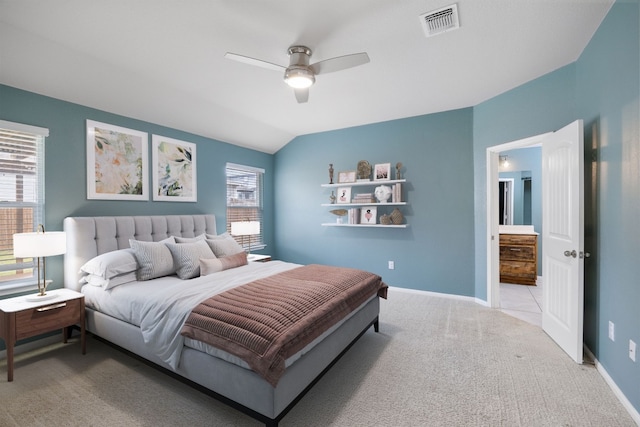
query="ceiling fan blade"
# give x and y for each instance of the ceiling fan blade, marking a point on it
(302, 95)
(253, 61)
(340, 63)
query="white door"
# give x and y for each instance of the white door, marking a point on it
(562, 238)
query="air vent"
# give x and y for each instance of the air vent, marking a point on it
(440, 21)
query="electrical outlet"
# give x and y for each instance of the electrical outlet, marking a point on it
(612, 331)
(392, 265)
(632, 350)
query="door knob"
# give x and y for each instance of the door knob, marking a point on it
(573, 253)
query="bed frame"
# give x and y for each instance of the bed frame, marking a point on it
(240, 388)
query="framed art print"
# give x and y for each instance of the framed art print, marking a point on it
(174, 170)
(344, 195)
(346, 176)
(117, 163)
(382, 172)
(368, 215)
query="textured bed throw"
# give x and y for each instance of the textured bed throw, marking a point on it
(266, 321)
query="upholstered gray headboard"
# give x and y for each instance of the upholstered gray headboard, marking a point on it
(88, 237)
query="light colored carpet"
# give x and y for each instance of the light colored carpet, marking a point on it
(436, 362)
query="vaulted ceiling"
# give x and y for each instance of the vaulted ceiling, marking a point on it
(164, 61)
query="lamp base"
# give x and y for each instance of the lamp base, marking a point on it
(38, 297)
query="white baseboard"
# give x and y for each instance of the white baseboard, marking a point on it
(438, 294)
(614, 387)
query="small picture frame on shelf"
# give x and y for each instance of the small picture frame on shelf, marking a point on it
(368, 215)
(346, 177)
(344, 195)
(382, 172)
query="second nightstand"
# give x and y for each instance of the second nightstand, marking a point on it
(258, 258)
(21, 318)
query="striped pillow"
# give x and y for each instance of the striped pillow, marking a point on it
(186, 257)
(154, 259)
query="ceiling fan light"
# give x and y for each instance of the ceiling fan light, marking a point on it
(299, 77)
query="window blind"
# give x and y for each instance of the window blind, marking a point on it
(21, 194)
(244, 200)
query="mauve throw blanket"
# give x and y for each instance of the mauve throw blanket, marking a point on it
(266, 321)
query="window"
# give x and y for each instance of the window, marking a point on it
(21, 195)
(244, 200)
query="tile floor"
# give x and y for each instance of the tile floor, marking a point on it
(522, 301)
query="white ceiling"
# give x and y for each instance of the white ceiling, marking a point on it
(163, 61)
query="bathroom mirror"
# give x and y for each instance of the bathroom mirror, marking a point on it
(515, 202)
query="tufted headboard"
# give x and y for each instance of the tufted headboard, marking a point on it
(88, 237)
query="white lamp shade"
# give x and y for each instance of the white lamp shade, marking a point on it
(33, 245)
(245, 228)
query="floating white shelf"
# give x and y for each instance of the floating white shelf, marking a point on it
(363, 204)
(335, 224)
(358, 183)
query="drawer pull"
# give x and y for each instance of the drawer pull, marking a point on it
(52, 307)
(515, 250)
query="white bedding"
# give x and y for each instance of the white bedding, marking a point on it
(161, 306)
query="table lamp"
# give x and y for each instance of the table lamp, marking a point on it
(40, 245)
(245, 228)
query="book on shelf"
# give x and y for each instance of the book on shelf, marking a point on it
(363, 198)
(354, 216)
(396, 194)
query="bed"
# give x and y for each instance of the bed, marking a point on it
(183, 350)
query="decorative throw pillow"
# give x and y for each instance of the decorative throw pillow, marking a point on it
(189, 239)
(111, 264)
(154, 259)
(214, 265)
(223, 245)
(186, 257)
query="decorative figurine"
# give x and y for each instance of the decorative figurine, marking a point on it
(330, 173)
(398, 170)
(396, 216)
(383, 193)
(339, 213)
(332, 198)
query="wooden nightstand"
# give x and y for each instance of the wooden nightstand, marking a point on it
(20, 318)
(259, 258)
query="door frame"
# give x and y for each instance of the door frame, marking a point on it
(493, 244)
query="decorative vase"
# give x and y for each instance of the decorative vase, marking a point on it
(385, 219)
(396, 216)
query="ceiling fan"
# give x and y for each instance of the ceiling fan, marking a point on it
(300, 75)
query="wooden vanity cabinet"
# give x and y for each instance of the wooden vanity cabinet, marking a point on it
(519, 258)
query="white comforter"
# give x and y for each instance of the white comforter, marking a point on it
(161, 306)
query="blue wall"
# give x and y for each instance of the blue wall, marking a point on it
(608, 83)
(435, 252)
(65, 166)
(540, 106)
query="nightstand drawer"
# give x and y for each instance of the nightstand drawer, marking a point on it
(47, 318)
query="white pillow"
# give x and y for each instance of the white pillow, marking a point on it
(111, 264)
(223, 245)
(214, 265)
(186, 257)
(121, 279)
(189, 239)
(154, 259)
